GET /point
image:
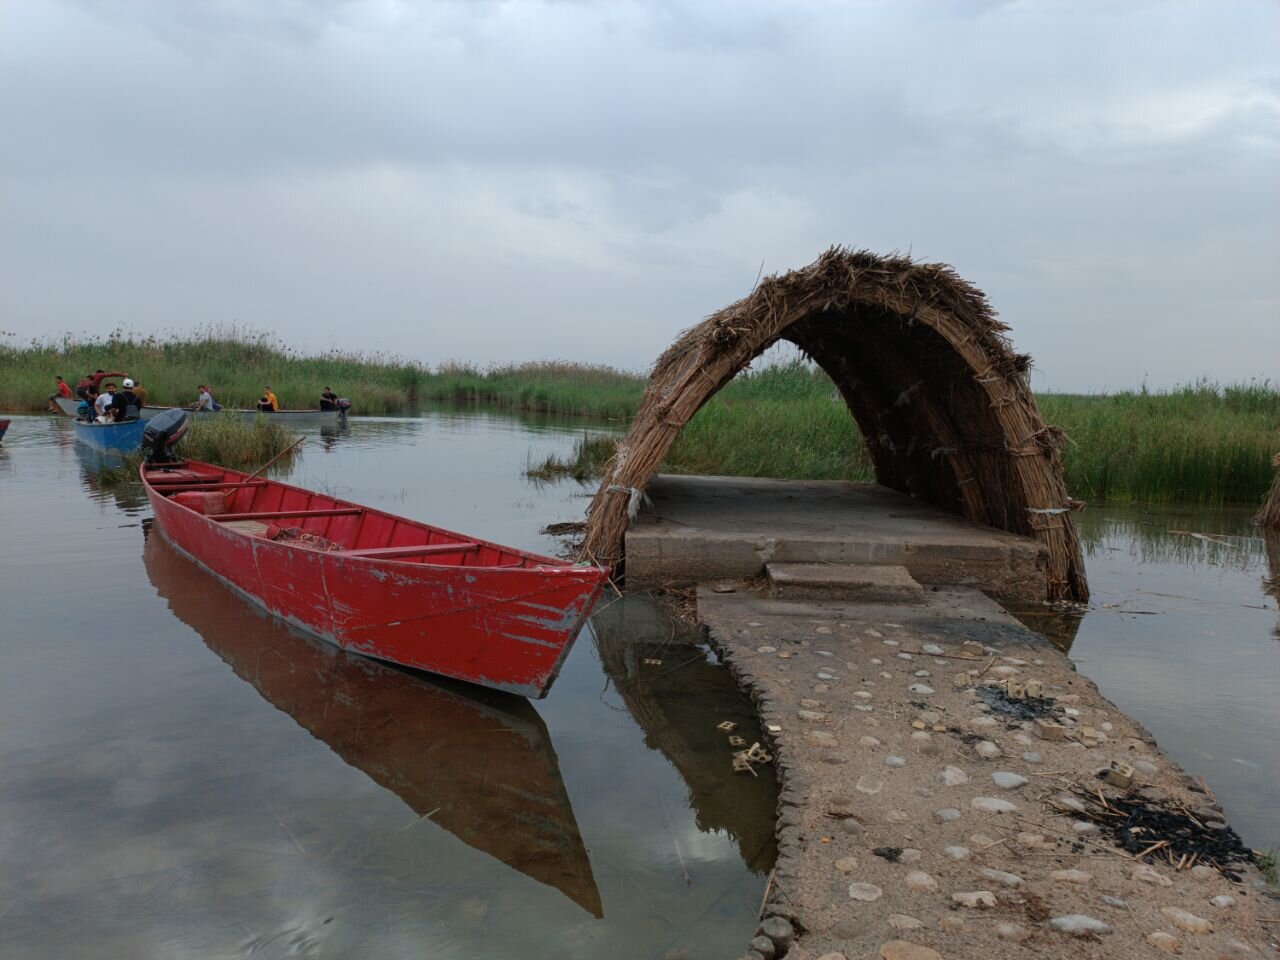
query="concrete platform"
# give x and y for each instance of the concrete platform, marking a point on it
(707, 528)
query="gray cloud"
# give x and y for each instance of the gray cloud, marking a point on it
(503, 181)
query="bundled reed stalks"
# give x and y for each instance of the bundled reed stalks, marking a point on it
(1269, 515)
(924, 368)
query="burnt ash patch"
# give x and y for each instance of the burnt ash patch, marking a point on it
(888, 853)
(1171, 835)
(1025, 708)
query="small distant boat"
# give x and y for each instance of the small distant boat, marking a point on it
(293, 418)
(4, 425)
(288, 417)
(377, 584)
(123, 437)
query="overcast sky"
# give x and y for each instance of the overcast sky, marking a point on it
(494, 182)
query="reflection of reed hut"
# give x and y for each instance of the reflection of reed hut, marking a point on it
(672, 703)
(941, 399)
(1271, 585)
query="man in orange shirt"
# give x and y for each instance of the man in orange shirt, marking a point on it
(271, 399)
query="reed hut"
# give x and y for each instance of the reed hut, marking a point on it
(918, 356)
(1269, 515)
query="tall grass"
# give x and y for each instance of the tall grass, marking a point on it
(1202, 442)
(237, 364)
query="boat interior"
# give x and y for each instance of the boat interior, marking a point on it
(284, 514)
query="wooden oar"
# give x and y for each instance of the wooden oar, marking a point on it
(231, 493)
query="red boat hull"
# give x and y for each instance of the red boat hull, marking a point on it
(485, 614)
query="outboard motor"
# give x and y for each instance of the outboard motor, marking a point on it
(343, 406)
(162, 433)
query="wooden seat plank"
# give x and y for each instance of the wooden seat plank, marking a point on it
(281, 514)
(387, 553)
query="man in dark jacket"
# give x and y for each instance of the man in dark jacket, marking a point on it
(125, 404)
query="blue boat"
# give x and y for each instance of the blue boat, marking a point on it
(112, 437)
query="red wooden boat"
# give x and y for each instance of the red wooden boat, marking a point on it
(416, 737)
(377, 584)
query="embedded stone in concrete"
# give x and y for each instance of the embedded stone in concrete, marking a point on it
(1186, 920)
(869, 784)
(1071, 876)
(1079, 925)
(850, 582)
(921, 882)
(952, 776)
(1002, 877)
(1012, 931)
(1008, 781)
(866, 892)
(763, 946)
(900, 921)
(1147, 875)
(956, 853)
(780, 931)
(1164, 941)
(1223, 902)
(987, 750)
(904, 950)
(975, 899)
(992, 805)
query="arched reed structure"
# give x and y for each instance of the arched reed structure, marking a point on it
(940, 397)
(1269, 515)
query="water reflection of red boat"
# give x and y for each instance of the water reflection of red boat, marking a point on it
(4, 425)
(478, 764)
(378, 584)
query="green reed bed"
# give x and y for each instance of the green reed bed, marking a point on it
(1202, 443)
(237, 365)
(567, 388)
(225, 440)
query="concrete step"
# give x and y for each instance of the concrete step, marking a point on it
(854, 582)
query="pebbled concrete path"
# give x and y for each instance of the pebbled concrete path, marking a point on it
(918, 820)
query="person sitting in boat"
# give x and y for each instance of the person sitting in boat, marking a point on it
(206, 403)
(264, 405)
(125, 405)
(140, 393)
(102, 406)
(328, 399)
(270, 397)
(61, 390)
(93, 381)
(84, 411)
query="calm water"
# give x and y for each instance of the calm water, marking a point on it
(180, 777)
(1183, 634)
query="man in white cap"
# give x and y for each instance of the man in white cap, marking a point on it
(126, 405)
